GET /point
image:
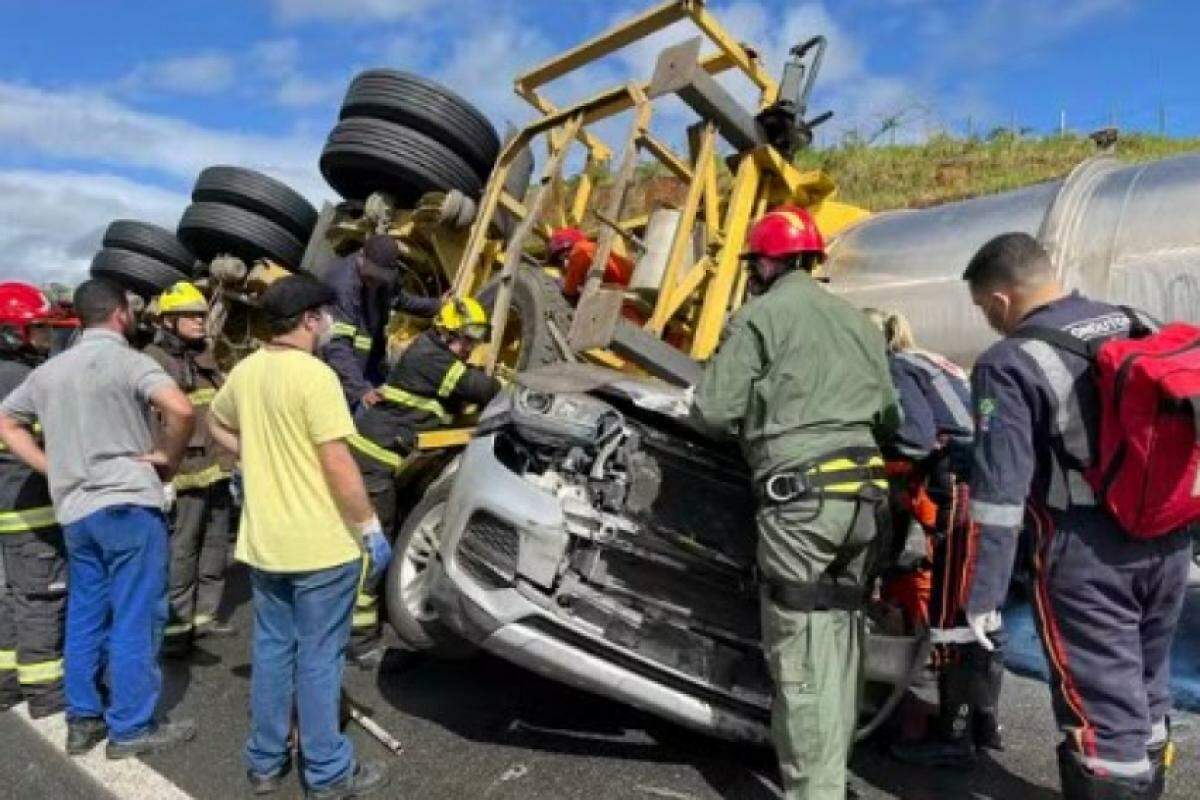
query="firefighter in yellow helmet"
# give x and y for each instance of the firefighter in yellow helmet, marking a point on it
(428, 385)
(201, 511)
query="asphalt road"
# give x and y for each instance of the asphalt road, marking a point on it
(484, 729)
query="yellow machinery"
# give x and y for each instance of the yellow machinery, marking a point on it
(695, 299)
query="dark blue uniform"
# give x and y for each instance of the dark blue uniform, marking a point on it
(360, 317)
(936, 400)
(1106, 603)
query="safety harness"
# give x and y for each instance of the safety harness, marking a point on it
(852, 473)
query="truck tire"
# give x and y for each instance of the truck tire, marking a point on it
(364, 155)
(149, 240)
(210, 229)
(135, 272)
(537, 302)
(253, 191)
(415, 560)
(427, 107)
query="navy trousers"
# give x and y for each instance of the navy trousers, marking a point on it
(1106, 606)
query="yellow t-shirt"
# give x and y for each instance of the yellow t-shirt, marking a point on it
(283, 403)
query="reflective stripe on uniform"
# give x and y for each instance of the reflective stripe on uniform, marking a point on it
(1159, 733)
(365, 619)
(177, 628)
(202, 397)
(451, 378)
(8, 659)
(201, 619)
(999, 514)
(945, 390)
(403, 398)
(199, 479)
(343, 329)
(1121, 769)
(362, 343)
(29, 519)
(40, 672)
(840, 464)
(371, 450)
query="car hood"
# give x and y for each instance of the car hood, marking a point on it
(645, 392)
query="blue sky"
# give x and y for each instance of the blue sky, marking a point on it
(109, 109)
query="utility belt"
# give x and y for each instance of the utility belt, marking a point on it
(852, 473)
(822, 595)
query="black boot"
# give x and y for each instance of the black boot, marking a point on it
(1079, 783)
(986, 669)
(163, 737)
(84, 734)
(1161, 758)
(951, 745)
(366, 777)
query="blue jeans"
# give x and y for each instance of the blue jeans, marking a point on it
(301, 628)
(116, 609)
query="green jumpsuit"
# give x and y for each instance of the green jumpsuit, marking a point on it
(801, 375)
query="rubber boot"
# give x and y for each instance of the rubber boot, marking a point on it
(952, 744)
(1079, 783)
(986, 671)
(1161, 758)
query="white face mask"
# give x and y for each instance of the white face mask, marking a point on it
(325, 332)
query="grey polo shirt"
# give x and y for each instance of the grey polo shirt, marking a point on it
(93, 401)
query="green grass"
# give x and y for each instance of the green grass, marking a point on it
(945, 168)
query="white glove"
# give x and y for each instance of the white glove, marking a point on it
(168, 497)
(983, 624)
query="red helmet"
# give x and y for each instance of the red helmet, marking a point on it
(21, 305)
(785, 231)
(564, 239)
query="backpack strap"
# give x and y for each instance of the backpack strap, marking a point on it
(1140, 325)
(1058, 339)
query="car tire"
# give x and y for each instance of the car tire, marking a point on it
(253, 191)
(537, 303)
(149, 240)
(210, 229)
(135, 272)
(413, 554)
(427, 107)
(364, 155)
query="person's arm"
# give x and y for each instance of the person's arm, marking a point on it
(1001, 474)
(724, 390)
(468, 385)
(345, 483)
(17, 413)
(916, 436)
(415, 305)
(18, 439)
(222, 420)
(178, 420)
(341, 357)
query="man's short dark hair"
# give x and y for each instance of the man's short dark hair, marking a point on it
(280, 326)
(1010, 259)
(96, 299)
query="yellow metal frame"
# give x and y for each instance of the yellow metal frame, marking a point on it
(693, 302)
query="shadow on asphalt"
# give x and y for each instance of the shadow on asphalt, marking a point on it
(487, 700)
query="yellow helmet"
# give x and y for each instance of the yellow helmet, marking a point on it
(182, 298)
(464, 316)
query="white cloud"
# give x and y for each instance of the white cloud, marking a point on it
(297, 91)
(276, 56)
(90, 127)
(198, 74)
(350, 10)
(51, 223)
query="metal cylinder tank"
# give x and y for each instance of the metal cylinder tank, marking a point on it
(1123, 233)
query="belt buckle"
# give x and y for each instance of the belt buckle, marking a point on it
(793, 487)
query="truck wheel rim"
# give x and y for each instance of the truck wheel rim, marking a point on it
(415, 582)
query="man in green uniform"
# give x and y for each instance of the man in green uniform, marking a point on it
(802, 380)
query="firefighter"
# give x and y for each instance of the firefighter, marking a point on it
(1106, 603)
(201, 508)
(572, 251)
(365, 289)
(928, 460)
(33, 570)
(802, 380)
(429, 383)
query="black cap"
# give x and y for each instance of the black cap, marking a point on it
(289, 296)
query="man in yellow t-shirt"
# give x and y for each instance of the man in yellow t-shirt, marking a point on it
(306, 523)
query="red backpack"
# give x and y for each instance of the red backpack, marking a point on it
(1147, 473)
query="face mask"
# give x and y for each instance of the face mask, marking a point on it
(325, 331)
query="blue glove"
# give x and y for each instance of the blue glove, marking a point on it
(379, 552)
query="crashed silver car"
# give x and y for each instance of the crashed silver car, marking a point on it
(588, 534)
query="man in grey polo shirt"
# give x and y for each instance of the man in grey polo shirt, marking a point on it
(106, 480)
